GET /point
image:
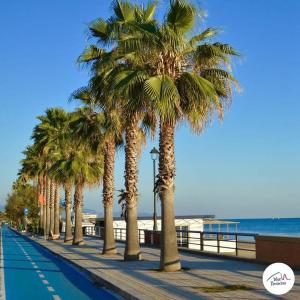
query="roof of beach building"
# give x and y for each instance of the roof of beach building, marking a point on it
(207, 219)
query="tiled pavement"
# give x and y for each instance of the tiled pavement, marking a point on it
(141, 280)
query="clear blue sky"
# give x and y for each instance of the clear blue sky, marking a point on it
(247, 166)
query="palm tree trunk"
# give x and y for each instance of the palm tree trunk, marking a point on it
(48, 207)
(52, 196)
(78, 203)
(68, 229)
(41, 225)
(109, 246)
(132, 247)
(169, 257)
(56, 233)
(44, 205)
(40, 197)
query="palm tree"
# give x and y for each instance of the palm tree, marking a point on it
(64, 175)
(56, 232)
(60, 170)
(49, 138)
(86, 167)
(184, 79)
(64, 142)
(102, 64)
(103, 130)
(31, 168)
(51, 204)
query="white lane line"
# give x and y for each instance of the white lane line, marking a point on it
(46, 282)
(2, 281)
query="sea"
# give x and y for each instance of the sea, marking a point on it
(264, 226)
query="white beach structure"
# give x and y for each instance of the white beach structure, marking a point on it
(190, 237)
(88, 221)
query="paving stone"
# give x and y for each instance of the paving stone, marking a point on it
(140, 280)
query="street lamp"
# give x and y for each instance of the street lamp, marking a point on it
(154, 155)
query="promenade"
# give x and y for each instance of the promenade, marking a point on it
(201, 277)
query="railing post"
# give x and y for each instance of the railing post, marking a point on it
(236, 244)
(187, 238)
(201, 241)
(255, 246)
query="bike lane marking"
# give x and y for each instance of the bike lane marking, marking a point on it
(2, 283)
(66, 281)
(44, 281)
(18, 269)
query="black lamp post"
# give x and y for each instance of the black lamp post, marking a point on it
(154, 155)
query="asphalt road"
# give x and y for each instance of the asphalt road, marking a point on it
(31, 272)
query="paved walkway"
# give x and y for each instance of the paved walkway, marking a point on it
(141, 279)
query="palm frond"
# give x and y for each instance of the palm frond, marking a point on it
(181, 15)
(207, 33)
(99, 29)
(90, 53)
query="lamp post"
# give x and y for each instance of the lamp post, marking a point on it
(154, 155)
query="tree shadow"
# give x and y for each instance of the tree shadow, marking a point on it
(142, 270)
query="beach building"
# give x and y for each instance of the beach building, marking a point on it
(192, 230)
(195, 232)
(88, 221)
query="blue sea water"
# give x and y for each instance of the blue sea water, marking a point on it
(267, 226)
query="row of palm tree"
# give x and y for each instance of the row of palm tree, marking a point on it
(147, 76)
(59, 157)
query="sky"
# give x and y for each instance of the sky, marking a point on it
(246, 166)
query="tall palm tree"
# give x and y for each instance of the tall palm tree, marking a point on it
(56, 232)
(86, 167)
(31, 168)
(49, 138)
(64, 175)
(60, 171)
(103, 129)
(185, 79)
(108, 32)
(51, 204)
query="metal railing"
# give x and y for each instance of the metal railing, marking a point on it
(227, 243)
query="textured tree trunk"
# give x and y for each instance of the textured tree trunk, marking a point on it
(109, 246)
(132, 247)
(52, 196)
(169, 258)
(41, 225)
(78, 203)
(48, 207)
(68, 229)
(40, 195)
(56, 232)
(44, 205)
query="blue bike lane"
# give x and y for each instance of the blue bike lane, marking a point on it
(31, 272)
